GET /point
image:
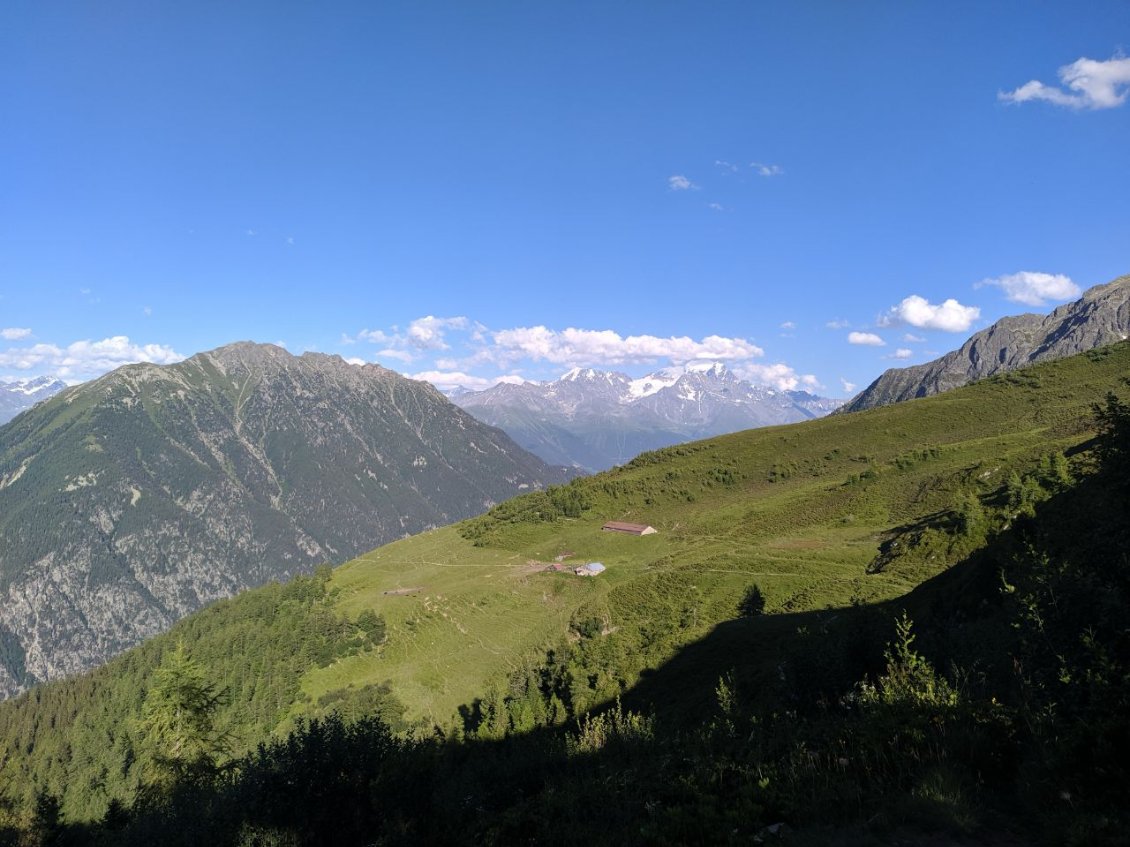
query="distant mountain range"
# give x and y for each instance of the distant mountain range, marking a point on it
(132, 500)
(20, 394)
(1100, 317)
(594, 419)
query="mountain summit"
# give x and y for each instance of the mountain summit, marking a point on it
(596, 419)
(131, 500)
(1100, 317)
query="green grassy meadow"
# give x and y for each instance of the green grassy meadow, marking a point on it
(800, 510)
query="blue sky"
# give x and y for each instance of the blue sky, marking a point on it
(811, 192)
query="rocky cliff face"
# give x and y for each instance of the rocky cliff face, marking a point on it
(129, 501)
(1101, 316)
(596, 419)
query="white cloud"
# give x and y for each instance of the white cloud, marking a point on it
(838, 323)
(355, 360)
(849, 387)
(901, 353)
(779, 376)
(428, 333)
(393, 353)
(788, 325)
(376, 336)
(1092, 85)
(447, 380)
(911, 338)
(84, 359)
(1034, 289)
(766, 170)
(576, 347)
(717, 207)
(14, 333)
(868, 339)
(726, 166)
(678, 182)
(917, 311)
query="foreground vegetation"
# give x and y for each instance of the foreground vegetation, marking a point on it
(758, 661)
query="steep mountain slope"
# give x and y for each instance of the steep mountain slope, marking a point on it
(596, 419)
(20, 394)
(1101, 316)
(129, 501)
(836, 513)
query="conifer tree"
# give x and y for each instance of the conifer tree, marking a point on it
(178, 723)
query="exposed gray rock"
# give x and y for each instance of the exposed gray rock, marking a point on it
(1100, 317)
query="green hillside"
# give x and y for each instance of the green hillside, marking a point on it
(464, 628)
(804, 511)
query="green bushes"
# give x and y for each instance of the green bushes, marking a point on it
(555, 502)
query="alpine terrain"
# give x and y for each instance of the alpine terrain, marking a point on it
(20, 394)
(905, 625)
(596, 419)
(1100, 317)
(129, 501)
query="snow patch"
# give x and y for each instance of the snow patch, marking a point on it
(653, 383)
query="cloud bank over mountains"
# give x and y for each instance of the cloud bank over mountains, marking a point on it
(460, 352)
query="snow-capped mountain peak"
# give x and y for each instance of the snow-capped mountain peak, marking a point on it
(714, 369)
(38, 385)
(587, 375)
(19, 394)
(595, 419)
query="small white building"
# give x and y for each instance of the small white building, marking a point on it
(591, 569)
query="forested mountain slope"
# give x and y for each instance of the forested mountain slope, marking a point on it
(132, 500)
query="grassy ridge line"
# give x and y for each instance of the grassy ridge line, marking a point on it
(840, 486)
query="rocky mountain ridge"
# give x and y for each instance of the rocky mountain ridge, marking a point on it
(132, 500)
(595, 419)
(1100, 317)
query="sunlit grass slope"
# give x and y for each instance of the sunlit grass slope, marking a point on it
(800, 510)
